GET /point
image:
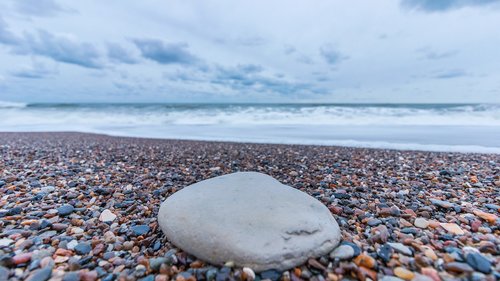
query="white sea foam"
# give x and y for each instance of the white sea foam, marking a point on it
(468, 128)
(9, 104)
(474, 115)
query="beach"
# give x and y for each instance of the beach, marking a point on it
(410, 214)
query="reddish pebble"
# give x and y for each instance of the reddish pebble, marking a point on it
(63, 252)
(88, 275)
(410, 212)
(431, 272)
(475, 225)
(336, 210)
(21, 258)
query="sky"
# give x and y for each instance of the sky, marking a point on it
(388, 51)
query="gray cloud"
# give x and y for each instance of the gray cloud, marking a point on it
(448, 74)
(183, 76)
(305, 59)
(247, 78)
(251, 41)
(289, 49)
(40, 8)
(246, 41)
(6, 37)
(165, 53)
(431, 54)
(443, 5)
(36, 71)
(61, 49)
(299, 57)
(331, 55)
(119, 54)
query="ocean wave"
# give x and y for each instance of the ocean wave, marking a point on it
(9, 104)
(349, 115)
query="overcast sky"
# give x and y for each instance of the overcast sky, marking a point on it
(250, 51)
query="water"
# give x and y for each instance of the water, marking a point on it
(433, 127)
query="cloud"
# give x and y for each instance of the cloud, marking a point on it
(245, 41)
(448, 74)
(305, 59)
(331, 55)
(57, 47)
(430, 54)
(443, 5)
(6, 37)
(40, 8)
(117, 53)
(35, 71)
(250, 78)
(251, 41)
(239, 75)
(60, 48)
(165, 53)
(289, 49)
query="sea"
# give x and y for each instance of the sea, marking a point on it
(428, 127)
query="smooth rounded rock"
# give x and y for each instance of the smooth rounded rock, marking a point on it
(65, 210)
(250, 219)
(107, 216)
(421, 223)
(342, 252)
(479, 262)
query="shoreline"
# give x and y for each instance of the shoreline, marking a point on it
(403, 213)
(381, 145)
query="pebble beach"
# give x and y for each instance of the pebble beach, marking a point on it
(83, 207)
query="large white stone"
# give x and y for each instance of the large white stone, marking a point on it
(250, 219)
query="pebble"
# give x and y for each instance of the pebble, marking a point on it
(72, 244)
(21, 258)
(155, 263)
(374, 222)
(458, 267)
(400, 248)
(385, 252)
(429, 252)
(490, 218)
(430, 273)
(452, 228)
(250, 275)
(365, 260)
(40, 274)
(272, 275)
(441, 203)
(71, 276)
(390, 278)
(355, 247)
(140, 229)
(403, 273)
(88, 275)
(5, 242)
(65, 210)
(478, 262)
(48, 189)
(107, 216)
(492, 206)
(342, 252)
(83, 248)
(4, 274)
(421, 223)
